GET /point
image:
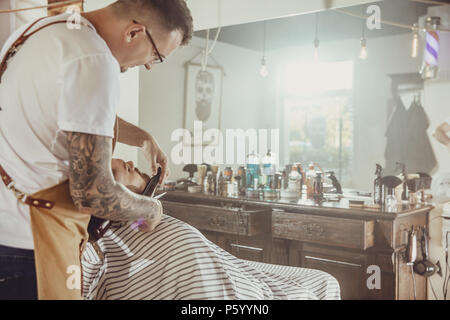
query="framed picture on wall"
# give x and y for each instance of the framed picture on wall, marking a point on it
(203, 96)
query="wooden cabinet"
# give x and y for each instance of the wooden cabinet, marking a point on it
(346, 233)
(244, 232)
(240, 221)
(352, 245)
(347, 267)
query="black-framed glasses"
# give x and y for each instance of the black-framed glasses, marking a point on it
(161, 59)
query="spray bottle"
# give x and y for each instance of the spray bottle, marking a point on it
(378, 188)
(405, 193)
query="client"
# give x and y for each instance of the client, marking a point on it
(174, 261)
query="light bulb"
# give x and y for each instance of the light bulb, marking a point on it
(415, 46)
(316, 50)
(363, 51)
(316, 54)
(263, 70)
(415, 42)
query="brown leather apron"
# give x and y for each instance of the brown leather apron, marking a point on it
(59, 229)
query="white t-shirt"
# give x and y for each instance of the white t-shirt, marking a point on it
(60, 80)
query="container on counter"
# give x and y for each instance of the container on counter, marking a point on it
(242, 180)
(310, 177)
(268, 169)
(252, 171)
(228, 174)
(169, 185)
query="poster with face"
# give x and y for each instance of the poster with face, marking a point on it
(203, 96)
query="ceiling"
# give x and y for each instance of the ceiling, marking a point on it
(332, 26)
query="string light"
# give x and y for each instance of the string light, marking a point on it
(363, 50)
(415, 42)
(263, 70)
(316, 40)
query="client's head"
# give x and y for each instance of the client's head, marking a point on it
(130, 176)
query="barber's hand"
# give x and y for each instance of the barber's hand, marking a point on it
(148, 225)
(156, 157)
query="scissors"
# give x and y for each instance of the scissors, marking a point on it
(150, 188)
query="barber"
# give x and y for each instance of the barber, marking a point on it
(59, 91)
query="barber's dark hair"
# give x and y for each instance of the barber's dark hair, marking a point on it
(175, 14)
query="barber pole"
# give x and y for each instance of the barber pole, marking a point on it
(430, 67)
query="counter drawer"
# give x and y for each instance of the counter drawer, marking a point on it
(237, 221)
(339, 232)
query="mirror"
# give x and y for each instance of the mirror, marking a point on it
(327, 91)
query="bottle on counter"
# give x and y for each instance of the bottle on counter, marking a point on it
(403, 176)
(318, 187)
(268, 169)
(390, 199)
(302, 177)
(252, 171)
(201, 174)
(228, 174)
(294, 180)
(378, 188)
(208, 184)
(214, 171)
(390, 202)
(310, 177)
(276, 183)
(242, 180)
(232, 188)
(222, 186)
(284, 180)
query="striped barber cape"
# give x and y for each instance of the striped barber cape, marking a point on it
(177, 262)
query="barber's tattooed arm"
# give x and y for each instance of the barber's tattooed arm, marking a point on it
(92, 185)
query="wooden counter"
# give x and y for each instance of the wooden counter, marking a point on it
(345, 242)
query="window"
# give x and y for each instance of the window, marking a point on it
(318, 115)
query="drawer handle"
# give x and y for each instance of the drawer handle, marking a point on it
(334, 261)
(312, 229)
(238, 246)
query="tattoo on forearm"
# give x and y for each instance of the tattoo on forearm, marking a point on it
(92, 184)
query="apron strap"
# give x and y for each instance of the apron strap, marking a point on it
(22, 196)
(22, 38)
(7, 180)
